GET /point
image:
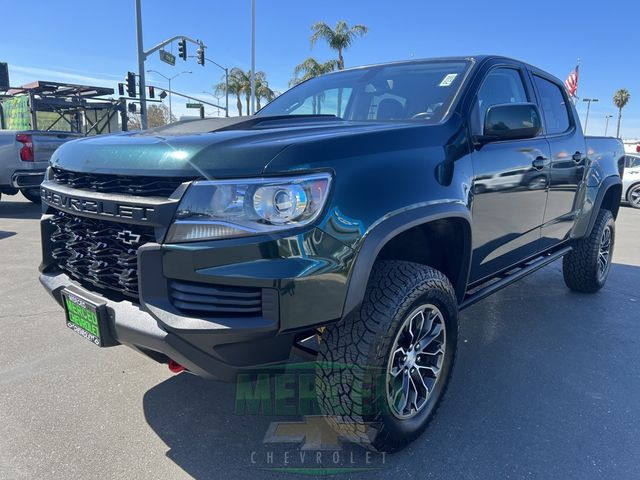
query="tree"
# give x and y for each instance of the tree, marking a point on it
(133, 121)
(339, 39)
(620, 99)
(237, 79)
(240, 85)
(311, 68)
(158, 115)
(263, 91)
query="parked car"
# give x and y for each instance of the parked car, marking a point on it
(24, 157)
(345, 208)
(631, 180)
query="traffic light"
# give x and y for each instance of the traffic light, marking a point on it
(121, 89)
(200, 55)
(131, 84)
(182, 49)
(152, 92)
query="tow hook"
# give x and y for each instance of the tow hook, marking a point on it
(175, 367)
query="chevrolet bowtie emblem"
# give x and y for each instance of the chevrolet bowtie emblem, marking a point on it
(128, 237)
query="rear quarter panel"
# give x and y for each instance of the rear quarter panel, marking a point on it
(605, 167)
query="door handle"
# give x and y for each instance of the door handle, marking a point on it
(540, 162)
(577, 157)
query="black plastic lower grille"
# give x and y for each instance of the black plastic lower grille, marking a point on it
(98, 253)
(216, 300)
(130, 185)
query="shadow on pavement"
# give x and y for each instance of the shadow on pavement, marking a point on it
(4, 235)
(18, 210)
(545, 385)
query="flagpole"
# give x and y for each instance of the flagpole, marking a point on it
(253, 57)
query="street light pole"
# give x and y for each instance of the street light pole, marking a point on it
(141, 59)
(586, 120)
(253, 57)
(168, 79)
(226, 83)
(606, 125)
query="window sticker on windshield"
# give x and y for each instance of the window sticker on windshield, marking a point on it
(448, 80)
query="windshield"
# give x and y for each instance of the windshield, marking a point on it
(388, 92)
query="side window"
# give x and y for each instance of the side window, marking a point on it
(502, 85)
(554, 106)
(633, 162)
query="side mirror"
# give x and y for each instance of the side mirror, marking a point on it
(511, 121)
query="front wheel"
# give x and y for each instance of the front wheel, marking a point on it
(383, 370)
(587, 267)
(31, 194)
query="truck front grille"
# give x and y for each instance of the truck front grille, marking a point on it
(216, 300)
(130, 185)
(97, 253)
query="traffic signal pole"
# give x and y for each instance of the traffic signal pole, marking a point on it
(142, 56)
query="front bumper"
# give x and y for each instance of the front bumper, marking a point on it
(303, 279)
(242, 349)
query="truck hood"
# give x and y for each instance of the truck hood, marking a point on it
(210, 148)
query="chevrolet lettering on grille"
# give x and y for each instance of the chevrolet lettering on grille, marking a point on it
(102, 208)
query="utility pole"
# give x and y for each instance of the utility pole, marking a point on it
(586, 120)
(141, 59)
(606, 125)
(253, 57)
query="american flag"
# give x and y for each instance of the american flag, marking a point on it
(572, 82)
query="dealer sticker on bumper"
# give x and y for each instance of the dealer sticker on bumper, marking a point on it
(83, 317)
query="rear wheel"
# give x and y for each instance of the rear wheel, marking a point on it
(587, 267)
(31, 194)
(383, 370)
(633, 196)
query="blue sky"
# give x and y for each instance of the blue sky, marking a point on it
(85, 42)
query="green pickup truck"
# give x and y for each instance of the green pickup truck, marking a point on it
(355, 208)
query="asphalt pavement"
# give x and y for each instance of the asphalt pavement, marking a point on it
(546, 385)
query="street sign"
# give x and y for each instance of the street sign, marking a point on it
(194, 105)
(167, 57)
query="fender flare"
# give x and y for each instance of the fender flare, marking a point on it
(391, 226)
(604, 187)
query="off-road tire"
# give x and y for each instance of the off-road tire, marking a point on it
(354, 353)
(31, 194)
(580, 267)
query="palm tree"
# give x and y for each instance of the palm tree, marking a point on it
(263, 90)
(240, 85)
(339, 39)
(620, 99)
(237, 81)
(311, 68)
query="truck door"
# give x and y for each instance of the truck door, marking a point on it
(568, 159)
(510, 181)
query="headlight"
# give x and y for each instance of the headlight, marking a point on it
(233, 208)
